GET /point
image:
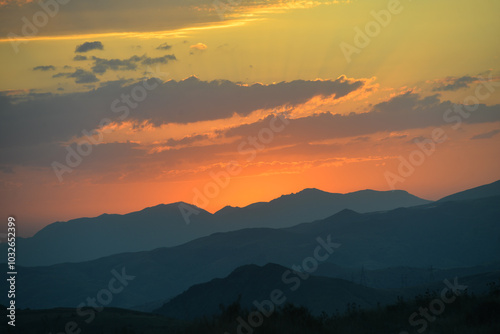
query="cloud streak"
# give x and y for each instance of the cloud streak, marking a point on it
(44, 68)
(89, 46)
(453, 84)
(80, 76)
(486, 135)
(403, 112)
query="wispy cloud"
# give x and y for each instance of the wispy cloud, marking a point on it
(164, 46)
(44, 68)
(486, 135)
(453, 84)
(89, 46)
(80, 76)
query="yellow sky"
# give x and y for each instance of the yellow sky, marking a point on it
(425, 41)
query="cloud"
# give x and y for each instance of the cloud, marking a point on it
(80, 76)
(126, 16)
(79, 58)
(362, 139)
(60, 117)
(116, 83)
(55, 118)
(199, 46)
(486, 135)
(101, 65)
(416, 139)
(164, 46)
(452, 84)
(395, 136)
(44, 68)
(88, 46)
(158, 60)
(403, 112)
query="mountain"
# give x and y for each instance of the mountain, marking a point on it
(487, 190)
(254, 283)
(401, 276)
(313, 204)
(90, 238)
(254, 287)
(442, 235)
(164, 225)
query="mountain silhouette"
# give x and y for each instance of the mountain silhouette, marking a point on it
(163, 225)
(313, 204)
(254, 285)
(442, 235)
(487, 190)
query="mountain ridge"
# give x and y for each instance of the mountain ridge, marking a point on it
(165, 225)
(447, 235)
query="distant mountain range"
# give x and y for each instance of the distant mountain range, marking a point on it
(86, 239)
(450, 234)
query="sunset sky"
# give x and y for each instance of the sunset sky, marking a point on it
(284, 95)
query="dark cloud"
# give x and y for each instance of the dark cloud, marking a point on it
(361, 139)
(158, 60)
(395, 137)
(191, 100)
(116, 83)
(42, 155)
(486, 135)
(39, 123)
(88, 46)
(455, 84)
(44, 68)
(80, 76)
(416, 139)
(101, 65)
(79, 58)
(186, 140)
(63, 116)
(164, 46)
(404, 112)
(89, 16)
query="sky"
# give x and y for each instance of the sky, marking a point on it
(117, 105)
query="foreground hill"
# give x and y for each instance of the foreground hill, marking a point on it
(253, 287)
(467, 314)
(253, 283)
(444, 235)
(165, 225)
